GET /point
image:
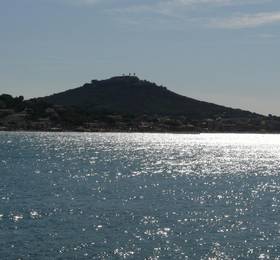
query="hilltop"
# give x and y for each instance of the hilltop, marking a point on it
(130, 95)
(127, 103)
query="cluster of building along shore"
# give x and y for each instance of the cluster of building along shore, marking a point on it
(58, 118)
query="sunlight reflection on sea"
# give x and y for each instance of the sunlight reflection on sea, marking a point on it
(139, 196)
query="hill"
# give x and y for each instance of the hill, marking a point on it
(127, 104)
(130, 95)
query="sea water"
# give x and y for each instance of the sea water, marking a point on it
(139, 196)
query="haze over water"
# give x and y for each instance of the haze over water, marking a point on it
(139, 196)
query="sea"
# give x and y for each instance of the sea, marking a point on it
(139, 196)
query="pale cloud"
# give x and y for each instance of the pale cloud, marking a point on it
(200, 2)
(182, 10)
(177, 8)
(268, 36)
(221, 2)
(243, 21)
(82, 2)
(170, 3)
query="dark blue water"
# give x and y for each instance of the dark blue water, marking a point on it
(139, 196)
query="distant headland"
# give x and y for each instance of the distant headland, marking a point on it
(126, 104)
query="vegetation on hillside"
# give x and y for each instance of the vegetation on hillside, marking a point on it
(130, 95)
(126, 104)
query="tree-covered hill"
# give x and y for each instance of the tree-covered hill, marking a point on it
(130, 95)
(126, 103)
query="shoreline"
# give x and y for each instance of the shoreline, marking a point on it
(137, 132)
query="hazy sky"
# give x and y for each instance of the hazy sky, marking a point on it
(223, 51)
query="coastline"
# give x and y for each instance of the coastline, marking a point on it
(138, 132)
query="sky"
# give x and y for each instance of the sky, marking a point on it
(221, 51)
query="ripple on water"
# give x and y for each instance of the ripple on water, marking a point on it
(139, 196)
